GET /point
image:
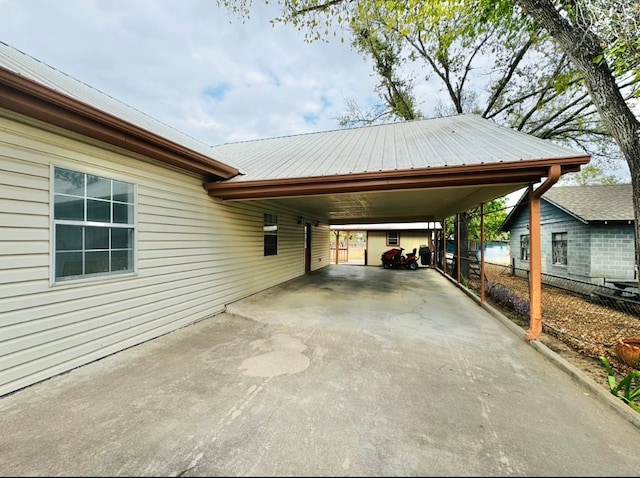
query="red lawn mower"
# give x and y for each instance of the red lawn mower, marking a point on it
(394, 259)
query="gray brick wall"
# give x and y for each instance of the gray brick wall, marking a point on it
(554, 220)
(594, 252)
(613, 251)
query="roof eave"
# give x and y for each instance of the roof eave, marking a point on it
(34, 100)
(522, 172)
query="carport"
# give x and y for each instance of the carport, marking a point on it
(424, 170)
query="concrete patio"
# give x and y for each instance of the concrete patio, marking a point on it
(348, 371)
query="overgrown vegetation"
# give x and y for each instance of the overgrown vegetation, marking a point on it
(502, 295)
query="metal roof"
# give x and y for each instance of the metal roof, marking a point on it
(38, 72)
(459, 140)
(397, 172)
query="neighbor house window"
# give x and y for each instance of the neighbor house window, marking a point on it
(559, 247)
(524, 247)
(393, 239)
(270, 229)
(94, 227)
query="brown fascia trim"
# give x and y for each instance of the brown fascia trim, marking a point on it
(524, 172)
(25, 97)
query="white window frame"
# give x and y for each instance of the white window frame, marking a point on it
(269, 230)
(525, 252)
(129, 252)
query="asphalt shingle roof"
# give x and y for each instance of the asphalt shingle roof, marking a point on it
(610, 202)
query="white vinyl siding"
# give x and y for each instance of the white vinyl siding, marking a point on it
(195, 254)
(320, 246)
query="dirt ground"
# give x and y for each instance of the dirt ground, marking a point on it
(574, 327)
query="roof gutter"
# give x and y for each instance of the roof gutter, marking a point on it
(26, 97)
(507, 173)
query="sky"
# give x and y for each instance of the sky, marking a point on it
(193, 65)
(197, 67)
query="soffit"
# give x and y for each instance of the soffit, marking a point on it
(431, 204)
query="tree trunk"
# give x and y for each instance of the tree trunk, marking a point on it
(583, 47)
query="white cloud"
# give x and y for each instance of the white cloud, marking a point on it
(192, 65)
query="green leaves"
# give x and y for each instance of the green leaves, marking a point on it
(629, 386)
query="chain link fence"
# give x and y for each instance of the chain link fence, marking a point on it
(588, 317)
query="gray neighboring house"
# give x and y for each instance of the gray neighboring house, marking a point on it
(587, 233)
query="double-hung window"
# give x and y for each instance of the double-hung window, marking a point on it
(524, 247)
(559, 247)
(94, 225)
(393, 239)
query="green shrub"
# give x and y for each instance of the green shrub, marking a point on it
(628, 386)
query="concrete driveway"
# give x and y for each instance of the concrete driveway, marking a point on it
(349, 371)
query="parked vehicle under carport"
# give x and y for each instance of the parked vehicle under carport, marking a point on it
(395, 259)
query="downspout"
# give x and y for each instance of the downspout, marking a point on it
(535, 255)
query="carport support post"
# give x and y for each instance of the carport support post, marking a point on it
(535, 274)
(458, 248)
(535, 256)
(482, 252)
(443, 246)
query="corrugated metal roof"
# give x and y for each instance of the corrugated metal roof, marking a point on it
(459, 140)
(611, 202)
(32, 69)
(431, 143)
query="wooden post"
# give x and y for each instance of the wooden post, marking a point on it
(347, 236)
(482, 252)
(458, 247)
(535, 269)
(443, 245)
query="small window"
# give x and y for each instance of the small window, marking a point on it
(524, 247)
(559, 246)
(93, 224)
(393, 239)
(270, 229)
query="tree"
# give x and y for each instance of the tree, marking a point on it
(589, 174)
(522, 81)
(598, 36)
(518, 80)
